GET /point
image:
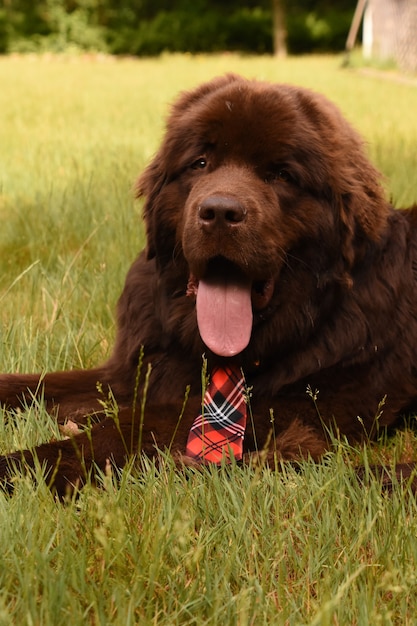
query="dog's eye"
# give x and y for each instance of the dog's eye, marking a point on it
(284, 175)
(278, 174)
(199, 164)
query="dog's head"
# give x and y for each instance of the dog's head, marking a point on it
(251, 181)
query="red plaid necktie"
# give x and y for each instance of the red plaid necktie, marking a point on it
(218, 432)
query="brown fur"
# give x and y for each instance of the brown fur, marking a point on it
(343, 313)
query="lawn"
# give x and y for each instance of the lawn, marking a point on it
(231, 546)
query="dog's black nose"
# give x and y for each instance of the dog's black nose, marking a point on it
(220, 212)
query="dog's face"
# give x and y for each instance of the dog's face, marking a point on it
(254, 185)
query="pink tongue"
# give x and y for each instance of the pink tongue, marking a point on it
(224, 315)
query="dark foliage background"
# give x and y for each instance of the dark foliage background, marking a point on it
(149, 27)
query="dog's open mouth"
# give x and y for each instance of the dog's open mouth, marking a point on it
(225, 301)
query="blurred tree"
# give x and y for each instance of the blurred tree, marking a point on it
(147, 27)
(279, 28)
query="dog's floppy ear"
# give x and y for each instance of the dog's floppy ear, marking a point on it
(362, 208)
(352, 183)
(149, 185)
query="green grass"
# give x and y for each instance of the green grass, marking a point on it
(234, 546)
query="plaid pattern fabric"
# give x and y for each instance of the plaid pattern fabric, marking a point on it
(218, 433)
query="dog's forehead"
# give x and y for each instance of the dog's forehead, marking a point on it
(252, 116)
(240, 110)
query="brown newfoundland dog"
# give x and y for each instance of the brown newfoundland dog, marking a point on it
(270, 248)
